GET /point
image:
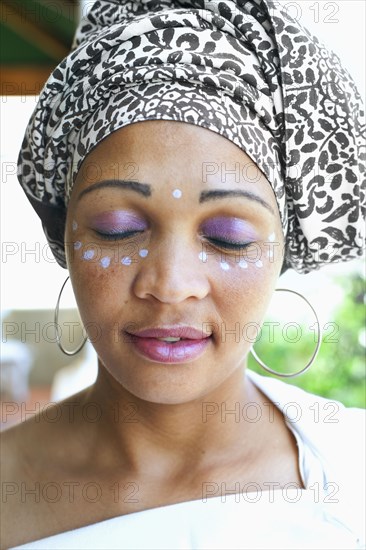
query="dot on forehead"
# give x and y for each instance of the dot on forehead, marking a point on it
(177, 193)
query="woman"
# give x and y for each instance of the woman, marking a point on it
(181, 158)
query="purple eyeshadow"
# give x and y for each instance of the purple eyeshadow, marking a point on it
(229, 229)
(118, 221)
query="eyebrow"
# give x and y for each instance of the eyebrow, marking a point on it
(223, 193)
(141, 188)
(144, 189)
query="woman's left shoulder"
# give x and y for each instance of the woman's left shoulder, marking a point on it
(326, 422)
(325, 414)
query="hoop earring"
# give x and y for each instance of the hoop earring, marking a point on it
(285, 375)
(58, 337)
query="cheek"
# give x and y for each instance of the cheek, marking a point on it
(101, 273)
(243, 289)
(105, 255)
(98, 294)
(101, 284)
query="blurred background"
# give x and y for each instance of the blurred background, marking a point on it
(34, 36)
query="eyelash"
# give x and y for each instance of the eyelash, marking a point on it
(116, 236)
(227, 245)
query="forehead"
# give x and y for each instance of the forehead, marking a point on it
(164, 153)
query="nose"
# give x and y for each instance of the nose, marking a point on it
(171, 273)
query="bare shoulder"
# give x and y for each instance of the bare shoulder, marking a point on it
(16, 444)
(16, 478)
(33, 456)
(35, 438)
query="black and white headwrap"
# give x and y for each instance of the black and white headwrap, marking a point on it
(244, 69)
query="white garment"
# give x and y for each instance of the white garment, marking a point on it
(328, 514)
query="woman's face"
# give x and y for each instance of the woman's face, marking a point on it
(172, 225)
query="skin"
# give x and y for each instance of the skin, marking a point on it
(166, 451)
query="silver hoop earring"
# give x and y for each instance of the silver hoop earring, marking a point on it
(285, 375)
(58, 337)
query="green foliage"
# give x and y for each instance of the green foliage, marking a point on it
(338, 372)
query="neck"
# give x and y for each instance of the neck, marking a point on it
(142, 436)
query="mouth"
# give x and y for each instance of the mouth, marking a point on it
(179, 344)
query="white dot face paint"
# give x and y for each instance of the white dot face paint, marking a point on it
(89, 254)
(225, 266)
(77, 245)
(177, 193)
(143, 253)
(74, 225)
(105, 262)
(271, 237)
(126, 260)
(202, 256)
(259, 263)
(243, 264)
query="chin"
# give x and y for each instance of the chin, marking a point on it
(163, 384)
(165, 391)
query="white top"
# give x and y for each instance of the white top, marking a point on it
(328, 514)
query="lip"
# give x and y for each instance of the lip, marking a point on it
(146, 343)
(176, 331)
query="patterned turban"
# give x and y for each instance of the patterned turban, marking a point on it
(244, 69)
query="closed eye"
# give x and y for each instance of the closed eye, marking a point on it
(228, 245)
(116, 236)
